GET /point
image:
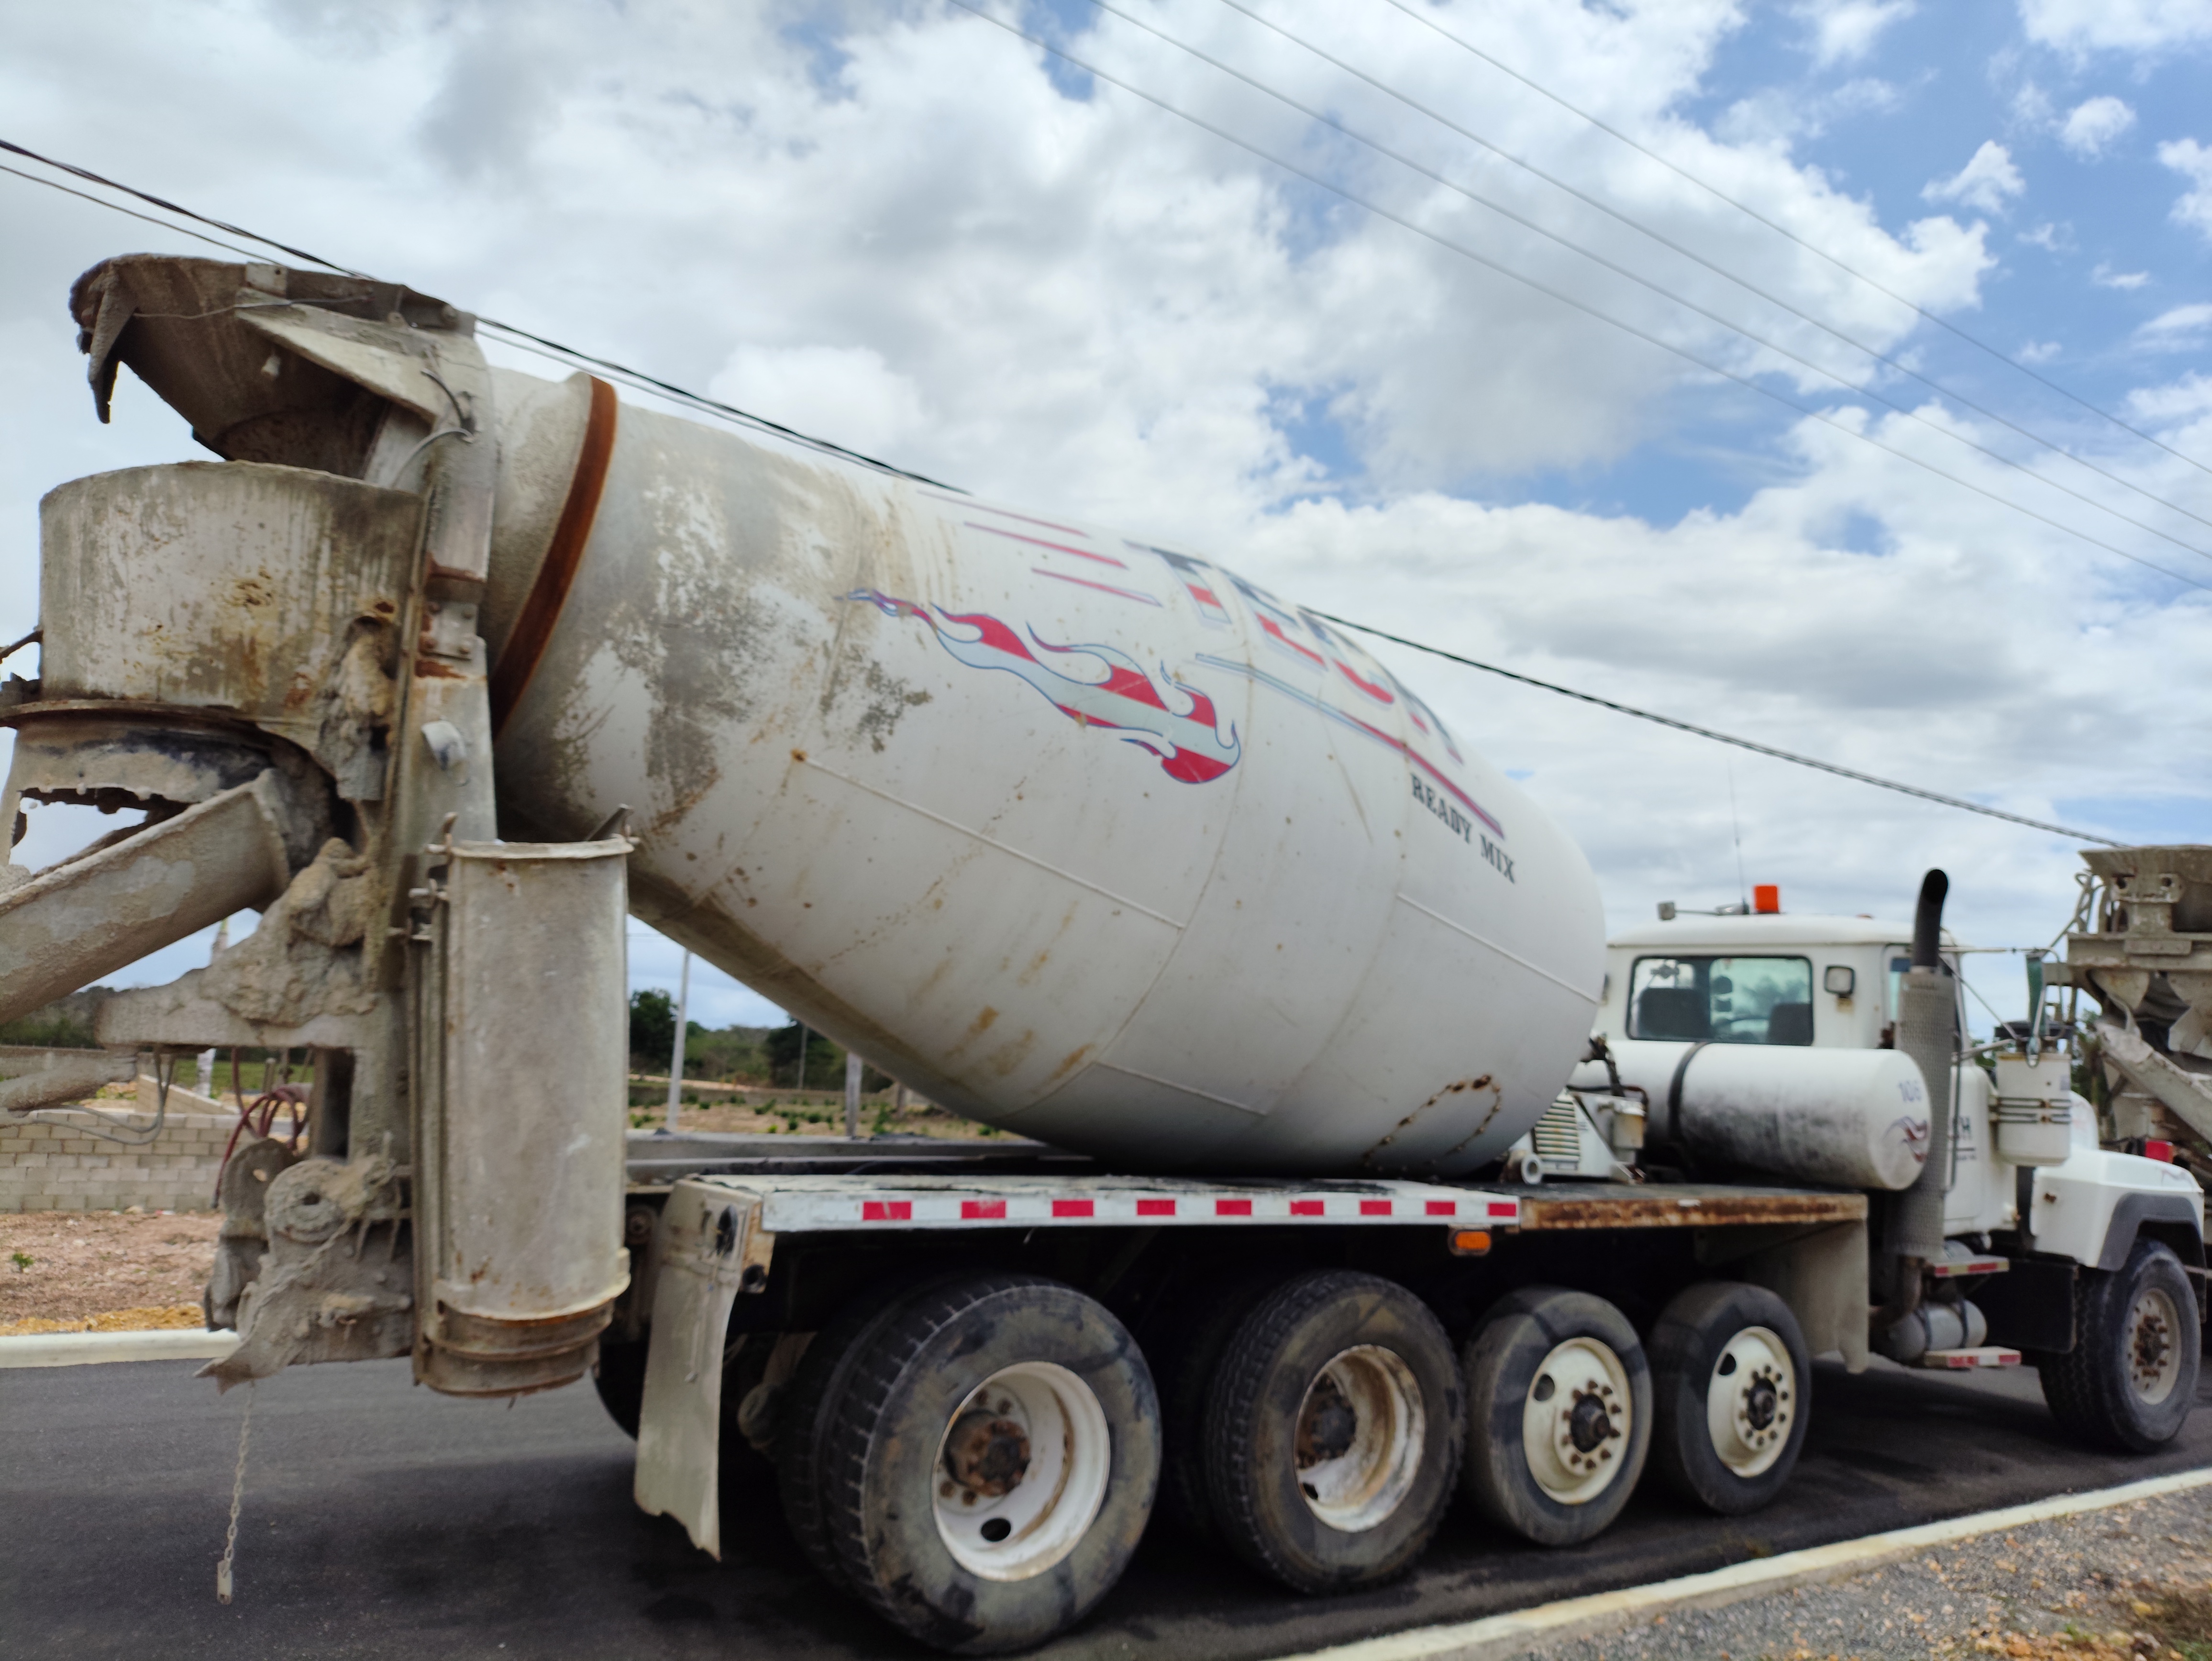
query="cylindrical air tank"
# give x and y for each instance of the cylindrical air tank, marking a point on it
(1858, 1118)
(1075, 834)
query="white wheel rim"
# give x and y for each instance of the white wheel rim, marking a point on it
(1360, 1433)
(1021, 1471)
(1751, 1401)
(2153, 1346)
(1575, 1421)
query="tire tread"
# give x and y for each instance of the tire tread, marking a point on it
(1233, 1478)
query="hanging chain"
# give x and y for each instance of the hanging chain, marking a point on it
(222, 1582)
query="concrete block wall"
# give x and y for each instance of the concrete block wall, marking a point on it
(52, 1162)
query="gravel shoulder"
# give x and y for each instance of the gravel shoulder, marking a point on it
(103, 1271)
(2132, 1581)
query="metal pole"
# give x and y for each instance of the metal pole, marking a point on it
(676, 1060)
(801, 1085)
(852, 1097)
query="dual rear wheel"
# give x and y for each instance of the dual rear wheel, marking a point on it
(977, 1456)
(1565, 1406)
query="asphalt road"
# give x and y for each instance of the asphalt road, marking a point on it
(383, 1520)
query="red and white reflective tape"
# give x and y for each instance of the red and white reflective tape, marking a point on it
(810, 1205)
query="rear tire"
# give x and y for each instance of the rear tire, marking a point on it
(1731, 1386)
(808, 1411)
(1558, 1415)
(1184, 1351)
(992, 1461)
(2130, 1378)
(1333, 1425)
(619, 1378)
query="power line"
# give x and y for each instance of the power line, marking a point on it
(117, 207)
(92, 177)
(698, 400)
(1636, 277)
(1666, 242)
(669, 389)
(1564, 299)
(1714, 190)
(1728, 738)
(637, 379)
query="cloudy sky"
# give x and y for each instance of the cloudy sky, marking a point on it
(1676, 431)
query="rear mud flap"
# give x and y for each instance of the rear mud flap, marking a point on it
(708, 1237)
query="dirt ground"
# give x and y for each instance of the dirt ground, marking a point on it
(2133, 1581)
(782, 1112)
(103, 1271)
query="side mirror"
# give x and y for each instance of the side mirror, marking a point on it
(1840, 979)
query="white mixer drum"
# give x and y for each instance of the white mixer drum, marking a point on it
(1077, 835)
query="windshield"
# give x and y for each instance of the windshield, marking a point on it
(1722, 1000)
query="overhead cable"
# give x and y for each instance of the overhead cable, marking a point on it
(1687, 252)
(529, 341)
(92, 177)
(1714, 190)
(637, 379)
(700, 400)
(1564, 298)
(132, 213)
(1670, 295)
(1788, 756)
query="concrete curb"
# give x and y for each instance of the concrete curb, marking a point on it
(1526, 1631)
(70, 1349)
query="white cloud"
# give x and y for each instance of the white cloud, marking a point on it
(2038, 351)
(893, 224)
(1984, 182)
(848, 391)
(2142, 25)
(1844, 31)
(2169, 326)
(2050, 238)
(2090, 130)
(2189, 397)
(2105, 277)
(2194, 162)
(2032, 106)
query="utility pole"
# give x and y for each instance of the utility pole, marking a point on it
(852, 1097)
(676, 1060)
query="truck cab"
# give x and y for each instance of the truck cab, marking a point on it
(1770, 977)
(1766, 978)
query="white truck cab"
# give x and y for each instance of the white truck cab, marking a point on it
(1832, 981)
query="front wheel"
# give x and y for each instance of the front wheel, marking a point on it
(1558, 1414)
(2130, 1378)
(991, 1461)
(1730, 1383)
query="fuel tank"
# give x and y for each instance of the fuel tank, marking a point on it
(1080, 835)
(1858, 1118)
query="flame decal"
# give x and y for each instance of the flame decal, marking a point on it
(1146, 711)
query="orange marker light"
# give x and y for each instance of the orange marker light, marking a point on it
(1766, 898)
(1470, 1242)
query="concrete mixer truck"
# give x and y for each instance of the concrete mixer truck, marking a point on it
(446, 670)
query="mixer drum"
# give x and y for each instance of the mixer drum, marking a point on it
(1077, 835)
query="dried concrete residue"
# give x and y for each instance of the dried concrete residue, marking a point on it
(886, 697)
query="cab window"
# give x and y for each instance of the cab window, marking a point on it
(1722, 1000)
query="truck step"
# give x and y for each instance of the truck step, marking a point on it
(1989, 1355)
